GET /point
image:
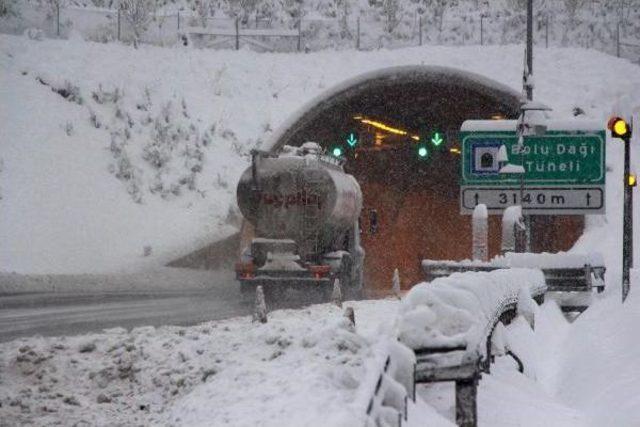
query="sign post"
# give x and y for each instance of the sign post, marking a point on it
(621, 129)
(561, 172)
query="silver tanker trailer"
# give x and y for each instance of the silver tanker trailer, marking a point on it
(304, 210)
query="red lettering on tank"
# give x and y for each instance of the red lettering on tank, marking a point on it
(290, 200)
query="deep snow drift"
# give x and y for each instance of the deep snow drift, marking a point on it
(114, 158)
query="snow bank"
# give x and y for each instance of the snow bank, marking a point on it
(86, 187)
(529, 260)
(578, 124)
(458, 310)
(301, 367)
(600, 371)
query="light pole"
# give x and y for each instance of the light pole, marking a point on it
(529, 85)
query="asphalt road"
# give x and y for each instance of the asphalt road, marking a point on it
(72, 313)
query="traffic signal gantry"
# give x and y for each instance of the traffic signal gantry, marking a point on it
(621, 129)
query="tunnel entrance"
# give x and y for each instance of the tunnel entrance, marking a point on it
(411, 195)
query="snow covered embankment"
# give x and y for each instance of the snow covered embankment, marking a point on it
(301, 367)
(115, 158)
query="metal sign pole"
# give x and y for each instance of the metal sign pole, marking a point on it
(529, 87)
(627, 227)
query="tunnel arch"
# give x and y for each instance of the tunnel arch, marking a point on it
(508, 99)
(415, 203)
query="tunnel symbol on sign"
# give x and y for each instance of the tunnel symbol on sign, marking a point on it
(486, 161)
(486, 158)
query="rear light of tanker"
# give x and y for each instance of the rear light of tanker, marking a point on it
(319, 271)
(245, 270)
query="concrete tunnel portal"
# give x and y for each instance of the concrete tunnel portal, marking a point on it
(411, 205)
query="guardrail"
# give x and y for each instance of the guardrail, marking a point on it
(440, 359)
(390, 392)
(580, 273)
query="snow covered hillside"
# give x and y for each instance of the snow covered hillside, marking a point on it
(115, 159)
(339, 24)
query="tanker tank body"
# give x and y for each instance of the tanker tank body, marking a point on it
(304, 210)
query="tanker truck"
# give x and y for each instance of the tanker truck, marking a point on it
(303, 210)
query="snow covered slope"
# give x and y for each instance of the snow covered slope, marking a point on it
(114, 158)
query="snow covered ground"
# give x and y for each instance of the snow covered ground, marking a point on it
(309, 367)
(113, 158)
(300, 367)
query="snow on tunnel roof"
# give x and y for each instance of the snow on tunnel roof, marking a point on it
(408, 72)
(576, 125)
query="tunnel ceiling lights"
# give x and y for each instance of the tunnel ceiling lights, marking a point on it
(382, 126)
(385, 127)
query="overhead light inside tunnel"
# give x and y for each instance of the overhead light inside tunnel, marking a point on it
(454, 150)
(382, 126)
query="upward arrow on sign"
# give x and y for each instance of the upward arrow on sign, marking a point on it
(352, 140)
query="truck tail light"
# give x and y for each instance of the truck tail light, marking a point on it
(245, 270)
(319, 271)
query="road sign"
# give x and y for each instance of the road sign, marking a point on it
(536, 200)
(563, 170)
(437, 139)
(352, 139)
(554, 159)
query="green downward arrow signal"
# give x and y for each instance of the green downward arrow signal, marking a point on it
(352, 140)
(437, 139)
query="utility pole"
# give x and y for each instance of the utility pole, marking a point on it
(527, 82)
(529, 87)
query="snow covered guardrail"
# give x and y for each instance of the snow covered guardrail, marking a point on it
(563, 272)
(391, 388)
(449, 323)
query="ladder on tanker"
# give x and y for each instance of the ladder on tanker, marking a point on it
(311, 213)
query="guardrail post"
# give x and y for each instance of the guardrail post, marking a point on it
(237, 34)
(480, 233)
(466, 403)
(513, 230)
(487, 362)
